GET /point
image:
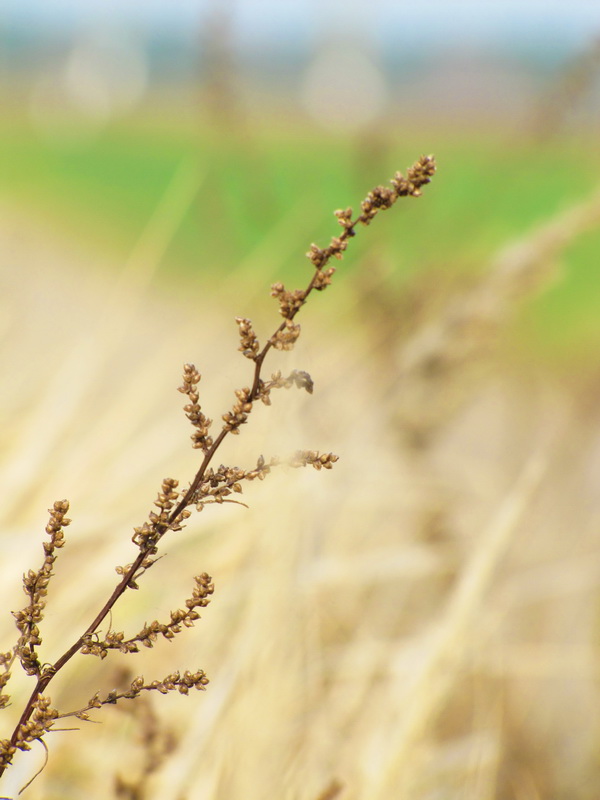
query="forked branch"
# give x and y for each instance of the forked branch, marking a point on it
(172, 507)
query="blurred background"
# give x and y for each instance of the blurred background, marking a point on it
(240, 115)
(422, 621)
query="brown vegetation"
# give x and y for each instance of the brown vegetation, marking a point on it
(173, 508)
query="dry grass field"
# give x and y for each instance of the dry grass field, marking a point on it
(419, 622)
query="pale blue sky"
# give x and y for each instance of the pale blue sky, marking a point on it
(574, 20)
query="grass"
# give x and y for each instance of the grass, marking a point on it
(106, 193)
(419, 623)
(428, 612)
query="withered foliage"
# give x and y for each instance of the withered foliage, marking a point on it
(173, 506)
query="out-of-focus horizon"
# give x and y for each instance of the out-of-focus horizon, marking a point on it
(103, 103)
(435, 56)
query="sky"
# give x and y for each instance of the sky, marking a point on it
(574, 20)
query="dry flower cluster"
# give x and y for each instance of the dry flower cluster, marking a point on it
(173, 506)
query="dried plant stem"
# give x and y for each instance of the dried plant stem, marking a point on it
(172, 514)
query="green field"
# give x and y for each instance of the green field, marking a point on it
(261, 195)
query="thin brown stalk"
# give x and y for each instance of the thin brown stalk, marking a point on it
(172, 514)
